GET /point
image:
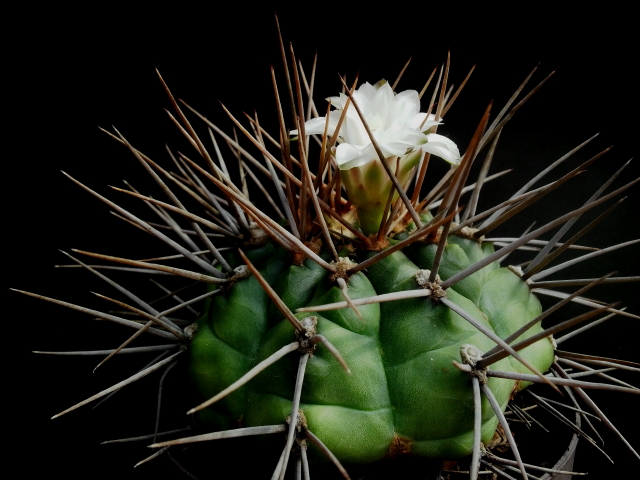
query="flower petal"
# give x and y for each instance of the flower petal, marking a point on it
(416, 122)
(442, 147)
(353, 130)
(338, 102)
(380, 107)
(405, 106)
(441, 140)
(399, 142)
(367, 90)
(348, 156)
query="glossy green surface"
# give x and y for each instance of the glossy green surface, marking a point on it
(403, 384)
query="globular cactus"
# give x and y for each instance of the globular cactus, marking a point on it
(368, 318)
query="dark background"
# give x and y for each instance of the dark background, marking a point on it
(95, 67)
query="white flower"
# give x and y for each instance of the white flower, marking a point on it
(401, 132)
(395, 121)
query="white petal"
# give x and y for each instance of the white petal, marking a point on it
(353, 130)
(366, 90)
(443, 149)
(381, 105)
(315, 126)
(405, 106)
(442, 141)
(416, 122)
(400, 141)
(338, 102)
(363, 102)
(349, 156)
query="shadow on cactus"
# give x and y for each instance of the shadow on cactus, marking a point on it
(367, 319)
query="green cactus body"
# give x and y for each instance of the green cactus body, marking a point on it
(404, 395)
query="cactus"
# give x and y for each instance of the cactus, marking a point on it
(372, 360)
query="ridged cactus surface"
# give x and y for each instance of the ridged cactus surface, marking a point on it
(403, 394)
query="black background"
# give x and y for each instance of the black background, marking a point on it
(77, 70)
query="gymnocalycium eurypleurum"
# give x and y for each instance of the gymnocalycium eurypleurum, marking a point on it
(364, 320)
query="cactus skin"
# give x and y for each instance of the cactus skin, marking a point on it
(403, 386)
